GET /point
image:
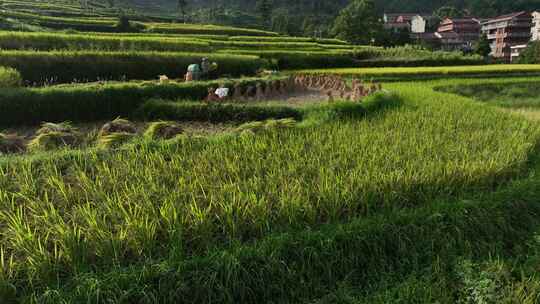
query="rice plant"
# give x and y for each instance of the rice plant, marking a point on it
(84, 66)
(392, 73)
(374, 203)
(506, 94)
(238, 214)
(104, 101)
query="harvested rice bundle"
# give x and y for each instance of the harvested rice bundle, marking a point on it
(250, 127)
(163, 130)
(53, 136)
(49, 127)
(271, 124)
(118, 125)
(10, 143)
(113, 140)
(280, 123)
(52, 140)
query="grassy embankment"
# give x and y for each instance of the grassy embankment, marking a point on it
(98, 101)
(67, 66)
(400, 73)
(89, 102)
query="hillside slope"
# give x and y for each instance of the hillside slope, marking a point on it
(477, 7)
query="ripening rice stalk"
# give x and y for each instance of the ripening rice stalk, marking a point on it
(430, 71)
(50, 66)
(191, 197)
(113, 140)
(163, 130)
(11, 144)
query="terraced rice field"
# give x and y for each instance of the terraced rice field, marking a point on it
(391, 175)
(116, 187)
(399, 73)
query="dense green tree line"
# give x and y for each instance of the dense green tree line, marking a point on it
(482, 8)
(317, 17)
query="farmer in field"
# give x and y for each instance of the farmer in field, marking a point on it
(209, 69)
(205, 70)
(193, 72)
(205, 66)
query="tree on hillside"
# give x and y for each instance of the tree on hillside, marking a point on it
(319, 15)
(264, 11)
(447, 12)
(358, 23)
(482, 47)
(390, 38)
(311, 27)
(281, 22)
(442, 13)
(531, 55)
(84, 4)
(401, 37)
(181, 8)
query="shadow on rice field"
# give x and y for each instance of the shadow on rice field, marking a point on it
(503, 94)
(518, 97)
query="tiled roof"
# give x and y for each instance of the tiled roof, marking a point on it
(520, 46)
(393, 16)
(396, 25)
(447, 35)
(449, 21)
(425, 36)
(464, 20)
(506, 17)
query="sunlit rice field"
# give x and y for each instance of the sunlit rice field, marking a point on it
(404, 72)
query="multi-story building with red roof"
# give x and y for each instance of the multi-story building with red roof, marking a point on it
(468, 29)
(506, 31)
